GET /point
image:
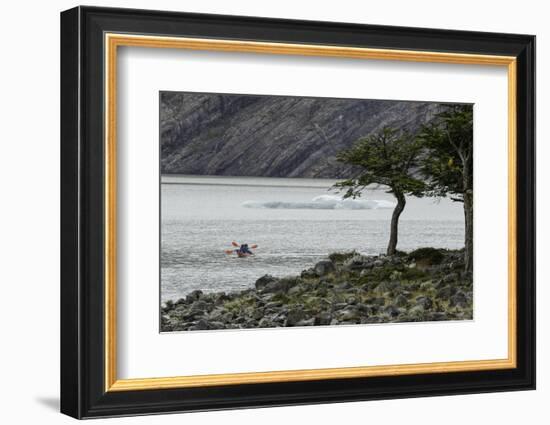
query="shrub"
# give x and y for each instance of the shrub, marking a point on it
(427, 255)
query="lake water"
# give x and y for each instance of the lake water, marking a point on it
(295, 222)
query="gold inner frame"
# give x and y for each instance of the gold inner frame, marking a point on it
(113, 41)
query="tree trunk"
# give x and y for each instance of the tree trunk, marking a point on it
(468, 231)
(468, 219)
(395, 222)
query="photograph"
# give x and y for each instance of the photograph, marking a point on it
(288, 211)
(279, 211)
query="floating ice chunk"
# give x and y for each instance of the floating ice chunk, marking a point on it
(323, 202)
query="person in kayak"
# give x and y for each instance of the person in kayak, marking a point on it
(244, 250)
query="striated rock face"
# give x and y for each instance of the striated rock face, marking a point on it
(273, 136)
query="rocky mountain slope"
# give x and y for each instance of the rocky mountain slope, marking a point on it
(272, 136)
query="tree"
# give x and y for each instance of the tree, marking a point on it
(448, 165)
(387, 158)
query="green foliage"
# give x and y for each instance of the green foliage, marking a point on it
(387, 158)
(448, 165)
(412, 274)
(429, 255)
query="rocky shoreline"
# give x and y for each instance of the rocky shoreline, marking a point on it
(348, 288)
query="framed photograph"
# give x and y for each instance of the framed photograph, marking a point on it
(261, 212)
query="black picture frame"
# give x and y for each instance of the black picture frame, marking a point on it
(83, 392)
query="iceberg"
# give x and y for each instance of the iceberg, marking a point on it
(323, 202)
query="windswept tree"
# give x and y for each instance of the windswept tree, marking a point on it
(448, 164)
(387, 158)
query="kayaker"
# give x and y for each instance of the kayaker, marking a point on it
(244, 250)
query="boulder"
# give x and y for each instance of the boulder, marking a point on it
(438, 316)
(200, 325)
(323, 319)
(274, 285)
(417, 310)
(446, 292)
(343, 286)
(425, 302)
(386, 287)
(349, 314)
(309, 274)
(324, 267)
(427, 285)
(265, 280)
(391, 311)
(358, 262)
(366, 309)
(306, 322)
(379, 301)
(400, 300)
(396, 275)
(295, 290)
(266, 322)
(451, 277)
(458, 300)
(193, 296)
(294, 316)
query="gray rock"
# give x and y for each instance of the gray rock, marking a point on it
(366, 309)
(414, 286)
(193, 296)
(309, 274)
(396, 275)
(343, 286)
(438, 316)
(276, 286)
(446, 292)
(417, 310)
(364, 272)
(265, 280)
(324, 267)
(427, 285)
(266, 322)
(200, 305)
(458, 300)
(391, 311)
(295, 290)
(400, 300)
(379, 301)
(451, 277)
(349, 314)
(323, 319)
(386, 287)
(425, 302)
(200, 325)
(306, 322)
(273, 304)
(373, 319)
(216, 325)
(294, 316)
